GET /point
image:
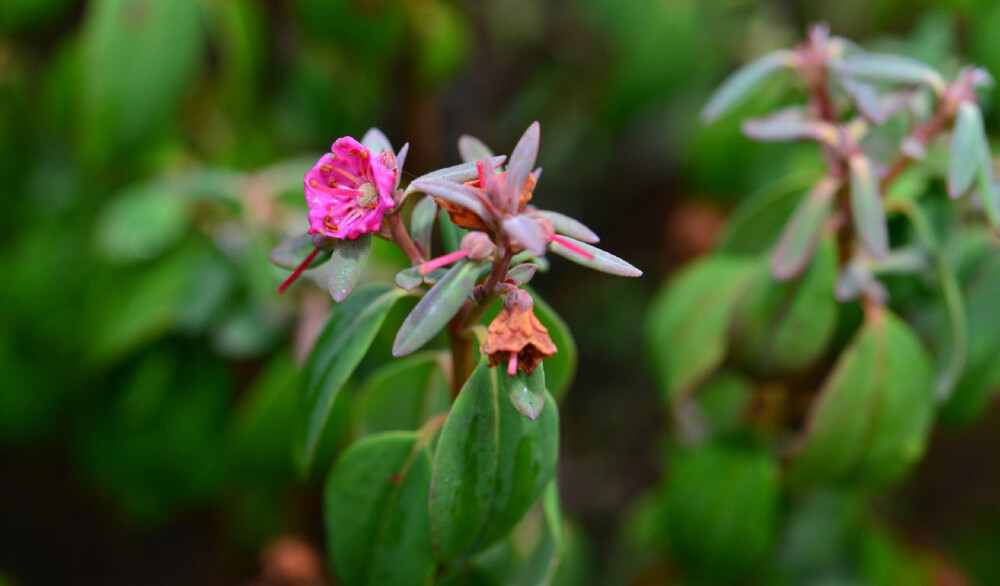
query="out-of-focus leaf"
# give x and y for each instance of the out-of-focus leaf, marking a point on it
(966, 149)
(817, 533)
(738, 85)
(141, 223)
(986, 183)
(375, 511)
(526, 392)
(443, 41)
(409, 279)
(756, 223)
(456, 174)
(436, 308)
(522, 273)
(347, 264)
(472, 150)
(599, 260)
(885, 558)
(522, 162)
(893, 68)
(422, 223)
(866, 208)
(780, 327)
(721, 510)
(18, 15)
(865, 98)
(340, 347)
(376, 141)
(568, 226)
(490, 466)
(688, 324)
(789, 124)
(403, 395)
(870, 422)
(802, 234)
(140, 56)
(526, 232)
(290, 253)
(266, 411)
(375, 33)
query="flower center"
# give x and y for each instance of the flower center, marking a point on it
(369, 196)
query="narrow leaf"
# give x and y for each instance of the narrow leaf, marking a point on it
(967, 154)
(526, 232)
(340, 347)
(473, 150)
(526, 393)
(568, 226)
(490, 467)
(986, 182)
(457, 174)
(801, 235)
(347, 264)
(422, 223)
(456, 193)
(290, 253)
(789, 124)
(894, 68)
(375, 141)
(522, 273)
(376, 514)
(522, 161)
(865, 98)
(737, 86)
(866, 208)
(436, 308)
(601, 260)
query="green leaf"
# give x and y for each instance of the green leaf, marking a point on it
(436, 308)
(722, 510)
(737, 86)
(688, 323)
(966, 149)
(491, 465)
(409, 279)
(456, 174)
(781, 327)
(526, 393)
(375, 512)
(422, 223)
(141, 223)
(340, 347)
(756, 223)
(802, 234)
(347, 264)
(870, 422)
(403, 395)
(290, 253)
(894, 68)
(140, 56)
(598, 260)
(866, 208)
(986, 182)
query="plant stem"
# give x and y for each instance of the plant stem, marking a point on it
(922, 135)
(461, 348)
(402, 238)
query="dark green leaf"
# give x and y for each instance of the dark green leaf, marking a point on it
(141, 223)
(737, 86)
(376, 517)
(340, 347)
(403, 395)
(347, 264)
(491, 465)
(436, 308)
(871, 419)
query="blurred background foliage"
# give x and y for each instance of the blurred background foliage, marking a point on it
(151, 154)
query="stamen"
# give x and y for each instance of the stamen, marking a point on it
(326, 168)
(436, 263)
(349, 175)
(482, 179)
(298, 271)
(512, 364)
(571, 246)
(333, 190)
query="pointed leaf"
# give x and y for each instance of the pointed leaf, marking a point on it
(802, 234)
(568, 226)
(894, 68)
(526, 393)
(737, 86)
(790, 124)
(866, 208)
(340, 347)
(375, 141)
(472, 149)
(456, 174)
(455, 193)
(409, 279)
(376, 515)
(347, 264)
(870, 422)
(522, 273)
(865, 98)
(400, 161)
(967, 154)
(290, 253)
(422, 223)
(490, 466)
(527, 232)
(522, 161)
(436, 308)
(986, 183)
(601, 261)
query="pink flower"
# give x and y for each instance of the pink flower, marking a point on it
(349, 190)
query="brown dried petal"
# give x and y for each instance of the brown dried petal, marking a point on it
(466, 219)
(519, 331)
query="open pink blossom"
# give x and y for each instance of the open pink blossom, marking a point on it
(349, 190)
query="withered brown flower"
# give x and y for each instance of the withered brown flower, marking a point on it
(467, 219)
(516, 337)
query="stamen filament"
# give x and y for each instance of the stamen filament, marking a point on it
(441, 261)
(334, 190)
(349, 175)
(512, 364)
(298, 271)
(559, 239)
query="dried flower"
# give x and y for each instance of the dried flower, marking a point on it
(516, 337)
(349, 190)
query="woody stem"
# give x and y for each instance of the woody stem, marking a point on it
(402, 238)
(460, 344)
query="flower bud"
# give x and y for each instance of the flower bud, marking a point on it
(479, 245)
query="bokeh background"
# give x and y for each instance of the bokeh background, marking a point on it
(151, 153)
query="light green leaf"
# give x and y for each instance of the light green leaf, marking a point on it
(866, 208)
(347, 264)
(894, 68)
(966, 149)
(526, 392)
